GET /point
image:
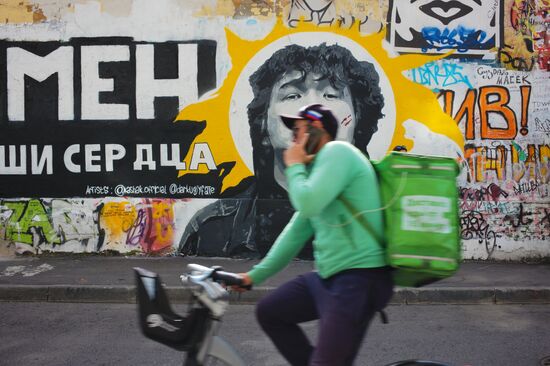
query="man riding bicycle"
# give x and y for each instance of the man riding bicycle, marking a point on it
(352, 281)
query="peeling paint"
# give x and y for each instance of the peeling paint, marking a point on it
(244, 8)
(119, 8)
(118, 218)
(346, 9)
(21, 12)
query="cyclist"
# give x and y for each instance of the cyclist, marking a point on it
(352, 281)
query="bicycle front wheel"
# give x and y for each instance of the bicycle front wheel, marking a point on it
(209, 360)
(214, 361)
(223, 353)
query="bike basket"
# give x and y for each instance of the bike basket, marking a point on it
(158, 321)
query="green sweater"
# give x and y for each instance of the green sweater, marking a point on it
(341, 242)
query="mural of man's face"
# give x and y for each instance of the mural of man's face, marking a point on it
(291, 92)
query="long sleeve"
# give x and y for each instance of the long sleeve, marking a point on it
(311, 193)
(286, 247)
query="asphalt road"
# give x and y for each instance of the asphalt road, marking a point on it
(37, 334)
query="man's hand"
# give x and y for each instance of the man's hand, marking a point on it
(247, 281)
(296, 153)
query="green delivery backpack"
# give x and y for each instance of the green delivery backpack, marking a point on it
(421, 215)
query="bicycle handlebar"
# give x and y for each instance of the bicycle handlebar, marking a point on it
(228, 278)
(217, 275)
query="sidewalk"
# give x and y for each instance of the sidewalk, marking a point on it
(75, 278)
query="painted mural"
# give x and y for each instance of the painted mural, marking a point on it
(142, 129)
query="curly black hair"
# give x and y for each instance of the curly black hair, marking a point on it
(333, 62)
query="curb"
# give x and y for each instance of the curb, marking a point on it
(471, 295)
(178, 294)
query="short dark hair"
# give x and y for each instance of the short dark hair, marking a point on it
(340, 68)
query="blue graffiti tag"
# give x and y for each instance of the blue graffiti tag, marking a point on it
(438, 76)
(461, 39)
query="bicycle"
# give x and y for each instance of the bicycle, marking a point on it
(196, 332)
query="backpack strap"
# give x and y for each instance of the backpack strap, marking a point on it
(362, 220)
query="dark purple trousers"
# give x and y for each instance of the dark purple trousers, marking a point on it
(344, 304)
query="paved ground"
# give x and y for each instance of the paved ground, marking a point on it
(76, 278)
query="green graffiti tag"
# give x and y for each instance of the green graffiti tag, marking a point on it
(25, 216)
(522, 154)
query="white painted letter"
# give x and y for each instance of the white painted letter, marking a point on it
(175, 160)
(144, 156)
(202, 155)
(67, 158)
(92, 84)
(147, 87)
(113, 152)
(46, 159)
(21, 62)
(89, 157)
(12, 168)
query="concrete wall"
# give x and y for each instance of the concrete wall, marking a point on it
(150, 127)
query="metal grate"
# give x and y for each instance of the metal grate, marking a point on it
(545, 361)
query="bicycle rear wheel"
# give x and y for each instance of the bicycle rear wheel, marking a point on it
(209, 361)
(220, 353)
(223, 353)
(418, 363)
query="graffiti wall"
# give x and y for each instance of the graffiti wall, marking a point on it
(153, 127)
